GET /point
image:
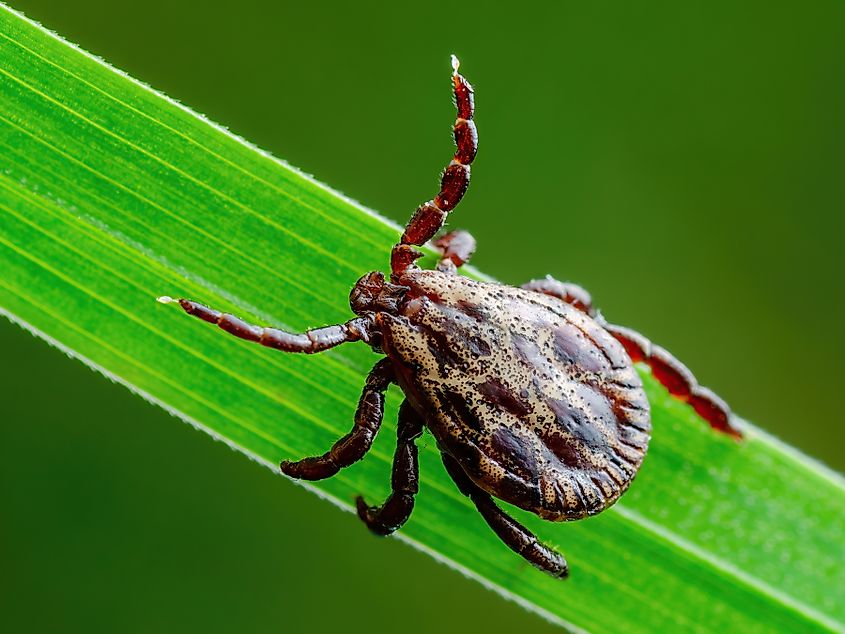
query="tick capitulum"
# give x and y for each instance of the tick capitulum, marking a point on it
(531, 395)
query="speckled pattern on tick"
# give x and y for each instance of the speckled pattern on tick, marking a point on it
(531, 395)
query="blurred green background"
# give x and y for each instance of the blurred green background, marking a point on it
(683, 161)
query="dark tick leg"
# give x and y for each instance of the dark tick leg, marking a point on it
(357, 442)
(456, 248)
(673, 374)
(309, 342)
(430, 216)
(515, 535)
(396, 510)
(566, 291)
(676, 377)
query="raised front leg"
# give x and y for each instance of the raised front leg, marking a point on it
(518, 538)
(357, 442)
(309, 342)
(405, 478)
(431, 216)
(674, 375)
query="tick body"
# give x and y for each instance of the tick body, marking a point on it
(531, 395)
(538, 403)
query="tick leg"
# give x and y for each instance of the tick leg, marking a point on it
(566, 291)
(396, 510)
(309, 342)
(456, 248)
(676, 377)
(673, 374)
(357, 442)
(430, 216)
(515, 535)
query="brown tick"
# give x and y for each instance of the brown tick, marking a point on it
(531, 395)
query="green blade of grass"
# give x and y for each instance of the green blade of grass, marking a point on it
(110, 195)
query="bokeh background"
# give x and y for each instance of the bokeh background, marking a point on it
(683, 161)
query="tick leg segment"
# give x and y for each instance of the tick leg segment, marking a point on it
(456, 249)
(309, 342)
(518, 538)
(566, 291)
(673, 374)
(430, 216)
(405, 478)
(357, 442)
(676, 377)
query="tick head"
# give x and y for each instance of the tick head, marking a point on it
(365, 291)
(372, 293)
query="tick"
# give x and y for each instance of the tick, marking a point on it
(531, 395)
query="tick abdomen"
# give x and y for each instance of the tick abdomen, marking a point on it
(541, 406)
